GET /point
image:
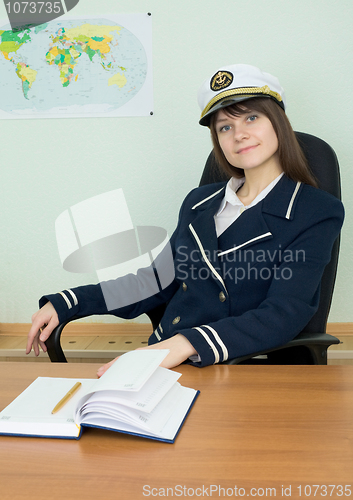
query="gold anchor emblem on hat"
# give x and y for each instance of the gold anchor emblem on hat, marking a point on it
(221, 80)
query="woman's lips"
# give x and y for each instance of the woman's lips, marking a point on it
(245, 150)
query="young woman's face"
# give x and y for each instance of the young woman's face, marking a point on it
(248, 141)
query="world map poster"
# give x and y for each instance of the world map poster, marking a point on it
(83, 67)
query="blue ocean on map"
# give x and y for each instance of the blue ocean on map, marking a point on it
(70, 67)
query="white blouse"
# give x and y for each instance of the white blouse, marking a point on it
(231, 207)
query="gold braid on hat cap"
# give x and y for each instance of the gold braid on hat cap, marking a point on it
(248, 91)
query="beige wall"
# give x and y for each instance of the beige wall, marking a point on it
(49, 165)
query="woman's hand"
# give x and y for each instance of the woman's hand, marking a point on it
(43, 323)
(179, 347)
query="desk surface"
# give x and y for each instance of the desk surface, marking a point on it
(260, 429)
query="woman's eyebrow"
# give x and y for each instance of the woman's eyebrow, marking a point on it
(227, 117)
(219, 120)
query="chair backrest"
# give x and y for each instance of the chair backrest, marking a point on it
(324, 165)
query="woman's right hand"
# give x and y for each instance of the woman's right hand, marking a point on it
(43, 323)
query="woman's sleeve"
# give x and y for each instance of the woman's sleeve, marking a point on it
(128, 296)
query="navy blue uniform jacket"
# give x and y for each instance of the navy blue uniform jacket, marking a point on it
(255, 287)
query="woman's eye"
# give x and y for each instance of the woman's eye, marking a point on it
(225, 128)
(252, 118)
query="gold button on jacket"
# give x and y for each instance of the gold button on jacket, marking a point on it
(222, 297)
(176, 320)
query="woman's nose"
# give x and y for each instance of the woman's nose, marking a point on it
(240, 132)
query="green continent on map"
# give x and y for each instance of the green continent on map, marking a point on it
(66, 60)
(68, 45)
(11, 42)
(27, 75)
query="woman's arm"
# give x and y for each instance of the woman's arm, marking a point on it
(93, 299)
(180, 349)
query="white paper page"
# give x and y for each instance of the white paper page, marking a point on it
(131, 370)
(145, 399)
(170, 428)
(154, 421)
(157, 419)
(186, 397)
(30, 413)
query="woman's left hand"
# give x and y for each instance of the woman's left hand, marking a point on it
(179, 347)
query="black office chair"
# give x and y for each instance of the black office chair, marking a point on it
(310, 346)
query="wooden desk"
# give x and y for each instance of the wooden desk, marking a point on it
(251, 427)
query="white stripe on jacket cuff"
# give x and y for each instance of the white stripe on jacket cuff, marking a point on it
(68, 303)
(209, 342)
(220, 342)
(74, 298)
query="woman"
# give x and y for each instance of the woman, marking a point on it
(248, 254)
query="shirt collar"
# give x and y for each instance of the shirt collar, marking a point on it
(230, 193)
(232, 187)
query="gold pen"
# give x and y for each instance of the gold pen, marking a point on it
(67, 397)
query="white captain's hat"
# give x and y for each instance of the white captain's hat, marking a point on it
(235, 83)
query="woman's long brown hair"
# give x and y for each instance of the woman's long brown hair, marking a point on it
(290, 154)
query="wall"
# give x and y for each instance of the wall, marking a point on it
(49, 165)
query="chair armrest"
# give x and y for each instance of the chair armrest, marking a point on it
(315, 344)
(313, 338)
(54, 349)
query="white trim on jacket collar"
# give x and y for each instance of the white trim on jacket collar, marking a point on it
(265, 235)
(290, 206)
(203, 253)
(206, 199)
(289, 209)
